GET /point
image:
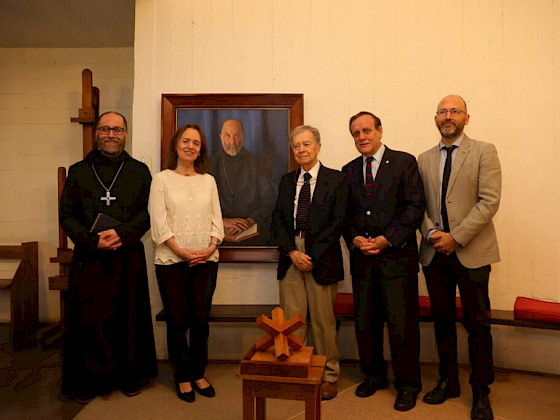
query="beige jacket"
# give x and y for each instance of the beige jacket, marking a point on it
(473, 197)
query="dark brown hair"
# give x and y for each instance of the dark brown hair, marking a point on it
(201, 162)
(376, 120)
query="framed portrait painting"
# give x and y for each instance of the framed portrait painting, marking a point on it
(247, 139)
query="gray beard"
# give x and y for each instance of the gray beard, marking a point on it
(450, 133)
(232, 151)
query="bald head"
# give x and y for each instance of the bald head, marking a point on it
(454, 99)
(451, 118)
(232, 136)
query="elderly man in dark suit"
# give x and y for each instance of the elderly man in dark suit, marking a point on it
(463, 181)
(384, 210)
(307, 226)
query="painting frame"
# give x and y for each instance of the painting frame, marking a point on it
(173, 103)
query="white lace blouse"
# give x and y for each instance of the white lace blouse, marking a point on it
(187, 208)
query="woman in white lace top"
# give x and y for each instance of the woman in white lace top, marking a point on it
(187, 228)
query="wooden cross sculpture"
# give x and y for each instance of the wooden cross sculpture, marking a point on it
(279, 333)
(296, 376)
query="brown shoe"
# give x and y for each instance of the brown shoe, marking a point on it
(328, 390)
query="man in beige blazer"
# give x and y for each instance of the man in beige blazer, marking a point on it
(462, 184)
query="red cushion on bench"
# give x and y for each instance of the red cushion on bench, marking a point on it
(536, 310)
(425, 306)
(344, 304)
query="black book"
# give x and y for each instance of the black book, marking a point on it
(104, 222)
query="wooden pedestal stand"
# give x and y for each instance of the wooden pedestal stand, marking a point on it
(286, 371)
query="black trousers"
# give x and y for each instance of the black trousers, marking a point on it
(187, 293)
(442, 276)
(395, 299)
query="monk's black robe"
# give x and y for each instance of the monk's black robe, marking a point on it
(109, 340)
(245, 190)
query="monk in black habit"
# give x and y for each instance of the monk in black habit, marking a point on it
(247, 195)
(109, 340)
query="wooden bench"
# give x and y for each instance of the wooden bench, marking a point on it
(24, 295)
(344, 311)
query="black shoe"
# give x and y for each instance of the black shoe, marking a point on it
(368, 387)
(441, 392)
(406, 399)
(205, 392)
(131, 392)
(84, 398)
(481, 409)
(185, 396)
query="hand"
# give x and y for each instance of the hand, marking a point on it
(235, 225)
(301, 260)
(371, 246)
(200, 256)
(443, 242)
(363, 244)
(109, 240)
(194, 257)
(379, 244)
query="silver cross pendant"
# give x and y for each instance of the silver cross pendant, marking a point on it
(108, 198)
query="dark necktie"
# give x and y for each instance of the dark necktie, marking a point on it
(444, 184)
(369, 177)
(304, 203)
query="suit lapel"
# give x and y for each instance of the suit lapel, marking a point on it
(384, 174)
(320, 189)
(358, 177)
(435, 182)
(460, 157)
(292, 195)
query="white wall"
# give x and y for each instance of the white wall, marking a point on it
(40, 90)
(396, 59)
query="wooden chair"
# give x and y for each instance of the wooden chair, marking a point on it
(24, 294)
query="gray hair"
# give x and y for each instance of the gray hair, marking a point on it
(301, 129)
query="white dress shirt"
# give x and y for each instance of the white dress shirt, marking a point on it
(314, 172)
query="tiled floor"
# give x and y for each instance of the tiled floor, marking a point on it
(30, 383)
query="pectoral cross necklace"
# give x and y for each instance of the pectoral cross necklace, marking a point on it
(107, 197)
(227, 179)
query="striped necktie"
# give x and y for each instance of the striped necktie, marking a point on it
(304, 203)
(369, 177)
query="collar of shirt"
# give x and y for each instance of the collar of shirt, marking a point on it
(314, 172)
(374, 163)
(457, 143)
(443, 155)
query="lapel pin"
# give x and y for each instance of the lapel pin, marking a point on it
(386, 161)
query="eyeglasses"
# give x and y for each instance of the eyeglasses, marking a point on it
(453, 111)
(107, 130)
